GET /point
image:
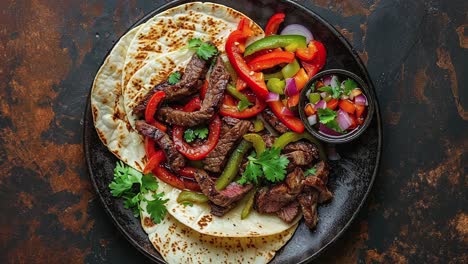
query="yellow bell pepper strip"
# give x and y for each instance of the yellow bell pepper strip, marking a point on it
(258, 125)
(191, 197)
(276, 41)
(289, 137)
(249, 204)
(257, 142)
(232, 166)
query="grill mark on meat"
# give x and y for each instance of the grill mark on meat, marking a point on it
(220, 210)
(232, 193)
(290, 212)
(322, 171)
(270, 117)
(174, 158)
(308, 201)
(298, 158)
(271, 200)
(302, 146)
(219, 78)
(315, 182)
(189, 84)
(215, 160)
(231, 121)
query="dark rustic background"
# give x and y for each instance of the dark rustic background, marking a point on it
(416, 53)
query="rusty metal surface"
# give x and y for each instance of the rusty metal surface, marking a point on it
(415, 51)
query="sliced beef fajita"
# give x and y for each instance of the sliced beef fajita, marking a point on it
(270, 117)
(318, 181)
(232, 193)
(215, 160)
(174, 158)
(308, 201)
(189, 84)
(273, 199)
(220, 210)
(289, 212)
(219, 78)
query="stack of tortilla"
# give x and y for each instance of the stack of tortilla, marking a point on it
(142, 58)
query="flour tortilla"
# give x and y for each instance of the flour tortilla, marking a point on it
(178, 243)
(160, 46)
(108, 110)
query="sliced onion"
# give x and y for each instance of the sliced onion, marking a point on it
(290, 88)
(328, 131)
(343, 119)
(334, 81)
(285, 111)
(272, 97)
(297, 29)
(321, 104)
(360, 100)
(312, 120)
(327, 79)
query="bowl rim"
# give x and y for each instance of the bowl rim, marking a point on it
(347, 137)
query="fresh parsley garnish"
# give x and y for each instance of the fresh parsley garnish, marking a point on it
(204, 50)
(122, 186)
(191, 134)
(312, 171)
(174, 78)
(333, 91)
(270, 164)
(349, 85)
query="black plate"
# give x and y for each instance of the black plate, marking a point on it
(351, 177)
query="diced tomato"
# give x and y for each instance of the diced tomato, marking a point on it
(360, 110)
(309, 110)
(347, 106)
(353, 122)
(332, 104)
(360, 120)
(301, 79)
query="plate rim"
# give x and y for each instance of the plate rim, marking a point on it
(89, 121)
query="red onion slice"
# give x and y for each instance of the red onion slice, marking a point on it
(272, 97)
(297, 29)
(328, 131)
(326, 80)
(290, 88)
(360, 100)
(321, 104)
(343, 119)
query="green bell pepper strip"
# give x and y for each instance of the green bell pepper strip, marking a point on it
(289, 137)
(244, 102)
(277, 75)
(233, 165)
(258, 125)
(249, 204)
(192, 197)
(276, 41)
(276, 85)
(291, 69)
(257, 142)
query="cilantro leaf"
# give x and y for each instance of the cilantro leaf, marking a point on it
(311, 171)
(349, 85)
(334, 125)
(149, 182)
(124, 178)
(270, 164)
(335, 92)
(326, 115)
(174, 78)
(191, 134)
(243, 104)
(157, 208)
(204, 50)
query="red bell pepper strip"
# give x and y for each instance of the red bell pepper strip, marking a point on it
(270, 60)
(254, 80)
(332, 104)
(159, 125)
(301, 78)
(309, 53)
(154, 161)
(240, 84)
(229, 107)
(153, 106)
(292, 122)
(203, 89)
(316, 64)
(166, 176)
(187, 172)
(274, 23)
(192, 105)
(150, 147)
(197, 152)
(293, 100)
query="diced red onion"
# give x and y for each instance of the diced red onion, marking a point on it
(343, 119)
(272, 97)
(285, 111)
(327, 79)
(323, 94)
(360, 100)
(290, 88)
(296, 29)
(312, 120)
(334, 81)
(328, 131)
(321, 104)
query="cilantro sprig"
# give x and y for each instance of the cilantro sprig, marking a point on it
(174, 78)
(310, 172)
(204, 50)
(269, 165)
(191, 134)
(328, 118)
(125, 177)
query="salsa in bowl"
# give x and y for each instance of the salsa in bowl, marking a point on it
(336, 106)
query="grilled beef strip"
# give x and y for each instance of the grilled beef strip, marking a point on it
(218, 81)
(215, 160)
(319, 182)
(271, 200)
(298, 158)
(175, 159)
(302, 146)
(270, 117)
(232, 193)
(269, 140)
(289, 212)
(308, 201)
(189, 84)
(220, 210)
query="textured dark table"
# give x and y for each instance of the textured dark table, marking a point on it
(416, 53)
